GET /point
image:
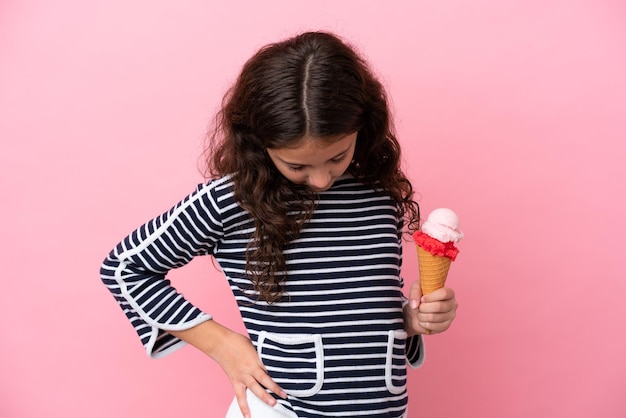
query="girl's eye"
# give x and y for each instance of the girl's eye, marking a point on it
(333, 161)
(338, 160)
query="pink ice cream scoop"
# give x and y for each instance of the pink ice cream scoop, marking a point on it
(443, 225)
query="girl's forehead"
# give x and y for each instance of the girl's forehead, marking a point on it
(309, 142)
(312, 148)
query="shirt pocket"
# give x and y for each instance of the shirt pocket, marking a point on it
(395, 364)
(295, 362)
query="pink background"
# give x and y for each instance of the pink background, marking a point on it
(510, 112)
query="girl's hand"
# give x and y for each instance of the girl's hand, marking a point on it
(240, 361)
(237, 357)
(432, 313)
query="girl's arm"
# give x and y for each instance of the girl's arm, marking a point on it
(135, 270)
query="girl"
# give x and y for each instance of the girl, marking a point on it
(304, 213)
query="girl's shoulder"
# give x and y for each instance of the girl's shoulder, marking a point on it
(224, 183)
(219, 190)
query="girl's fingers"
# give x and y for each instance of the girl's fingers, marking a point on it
(257, 390)
(436, 327)
(242, 401)
(267, 382)
(415, 294)
(437, 312)
(443, 294)
(437, 307)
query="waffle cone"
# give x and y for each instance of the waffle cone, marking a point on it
(433, 270)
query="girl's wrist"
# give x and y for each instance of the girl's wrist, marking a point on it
(207, 337)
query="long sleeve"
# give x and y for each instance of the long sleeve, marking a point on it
(415, 344)
(415, 351)
(135, 270)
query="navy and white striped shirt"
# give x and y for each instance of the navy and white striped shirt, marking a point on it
(335, 342)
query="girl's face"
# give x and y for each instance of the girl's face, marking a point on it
(315, 162)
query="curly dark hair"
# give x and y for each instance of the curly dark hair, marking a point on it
(314, 85)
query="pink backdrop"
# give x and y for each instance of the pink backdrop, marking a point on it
(510, 112)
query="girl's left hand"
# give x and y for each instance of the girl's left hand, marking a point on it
(432, 313)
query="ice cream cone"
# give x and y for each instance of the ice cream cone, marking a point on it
(435, 248)
(433, 270)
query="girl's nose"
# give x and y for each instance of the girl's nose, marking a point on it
(319, 180)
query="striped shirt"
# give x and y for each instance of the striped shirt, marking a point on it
(335, 342)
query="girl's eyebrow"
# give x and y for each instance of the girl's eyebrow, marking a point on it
(304, 165)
